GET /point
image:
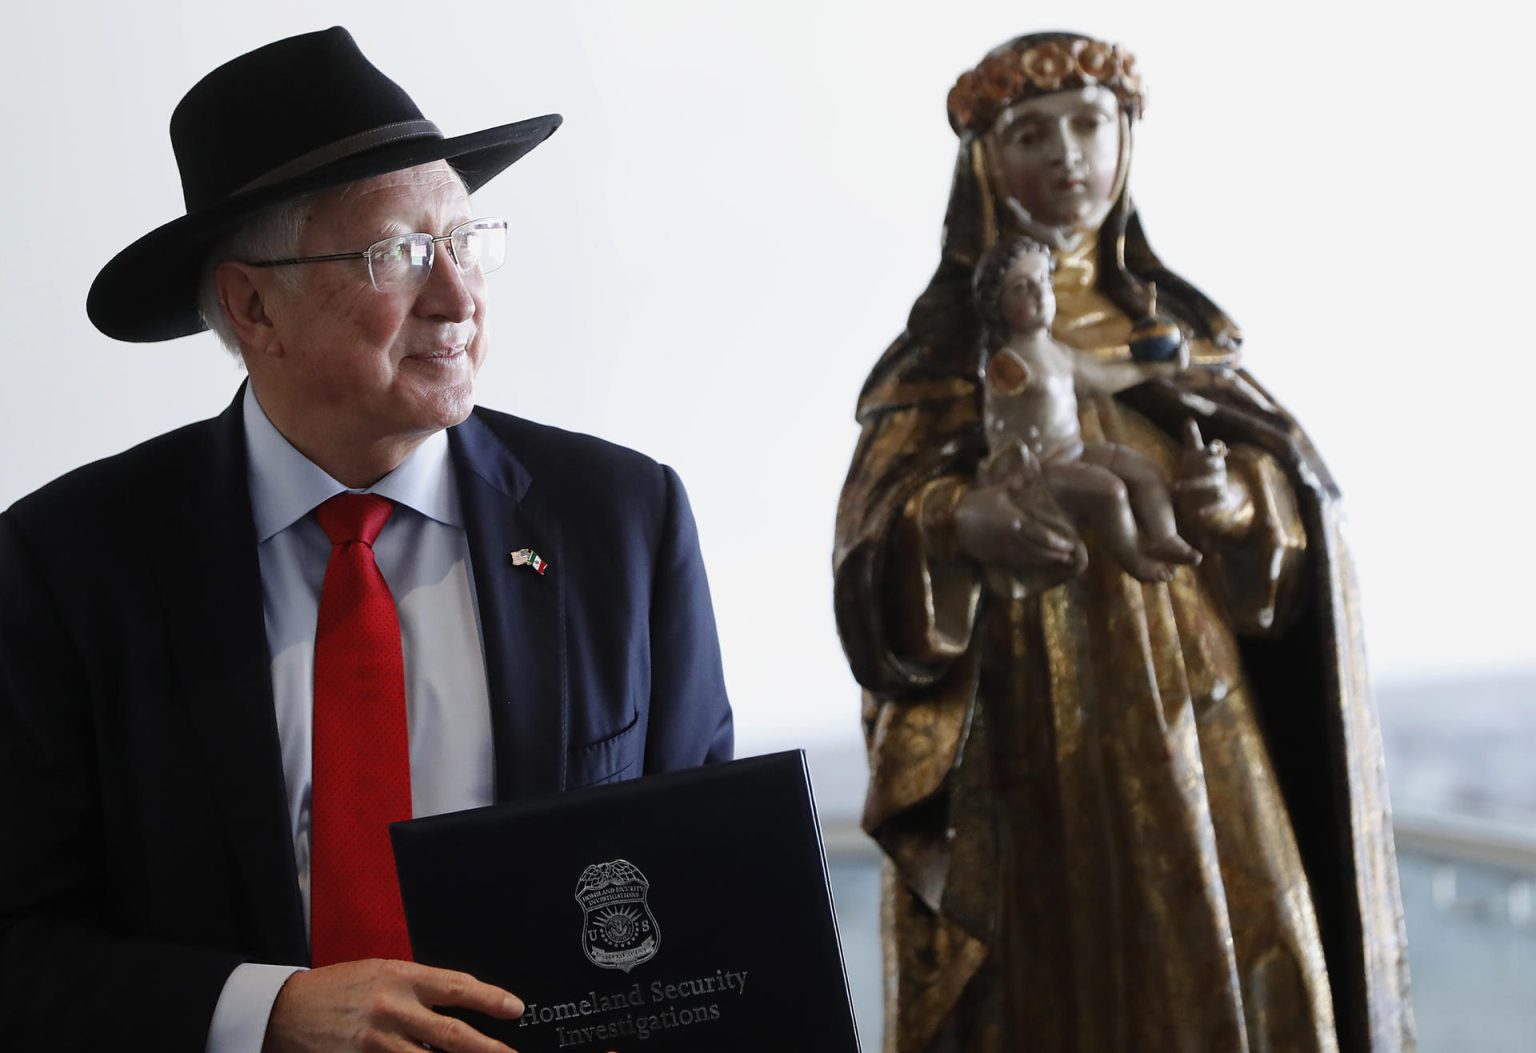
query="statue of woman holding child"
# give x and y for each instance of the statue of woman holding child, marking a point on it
(1124, 763)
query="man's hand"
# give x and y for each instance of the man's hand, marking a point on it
(383, 1005)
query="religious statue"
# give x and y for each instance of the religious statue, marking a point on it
(1120, 811)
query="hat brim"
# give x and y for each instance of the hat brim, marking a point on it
(149, 291)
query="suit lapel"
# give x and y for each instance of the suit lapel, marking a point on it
(218, 634)
(521, 612)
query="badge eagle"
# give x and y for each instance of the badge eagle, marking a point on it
(618, 930)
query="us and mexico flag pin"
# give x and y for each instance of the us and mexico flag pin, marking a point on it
(527, 557)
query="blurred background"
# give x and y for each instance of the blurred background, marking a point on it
(732, 225)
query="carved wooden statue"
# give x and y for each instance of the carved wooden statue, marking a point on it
(1119, 815)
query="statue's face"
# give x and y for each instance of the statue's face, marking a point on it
(1060, 155)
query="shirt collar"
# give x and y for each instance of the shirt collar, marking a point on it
(286, 486)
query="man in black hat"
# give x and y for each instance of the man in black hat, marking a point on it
(230, 656)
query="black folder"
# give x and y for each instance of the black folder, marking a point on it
(681, 912)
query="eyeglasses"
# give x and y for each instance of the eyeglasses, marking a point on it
(405, 262)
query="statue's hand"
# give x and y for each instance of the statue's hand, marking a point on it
(1226, 336)
(1017, 528)
(1206, 494)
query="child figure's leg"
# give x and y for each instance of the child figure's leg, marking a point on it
(1099, 496)
(1148, 495)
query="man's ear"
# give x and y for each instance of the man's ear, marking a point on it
(243, 299)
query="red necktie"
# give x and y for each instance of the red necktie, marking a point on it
(362, 760)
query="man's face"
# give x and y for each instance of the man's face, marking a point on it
(1060, 155)
(381, 366)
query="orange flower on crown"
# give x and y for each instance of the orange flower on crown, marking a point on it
(1130, 73)
(1016, 72)
(1047, 65)
(1001, 76)
(1094, 60)
(962, 101)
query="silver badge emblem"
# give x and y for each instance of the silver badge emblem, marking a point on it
(618, 930)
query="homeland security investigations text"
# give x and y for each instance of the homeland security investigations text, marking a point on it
(633, 1025)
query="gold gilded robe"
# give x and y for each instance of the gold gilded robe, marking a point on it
(1116, 816)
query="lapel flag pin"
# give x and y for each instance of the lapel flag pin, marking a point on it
(527, 557)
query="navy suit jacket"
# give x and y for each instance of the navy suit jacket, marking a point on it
(145, 847)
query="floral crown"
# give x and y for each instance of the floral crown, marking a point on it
(1021, 70)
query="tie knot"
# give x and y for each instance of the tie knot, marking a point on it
(354, 517)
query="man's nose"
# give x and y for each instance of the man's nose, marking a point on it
(446, 292)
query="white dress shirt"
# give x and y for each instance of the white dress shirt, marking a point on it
(423, 555)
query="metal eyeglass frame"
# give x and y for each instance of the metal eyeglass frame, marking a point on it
(431, 241)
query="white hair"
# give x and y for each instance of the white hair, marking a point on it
(270, 235)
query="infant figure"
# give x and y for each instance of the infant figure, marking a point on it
(1030, 415)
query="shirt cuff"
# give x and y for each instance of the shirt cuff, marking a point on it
(239, 1022)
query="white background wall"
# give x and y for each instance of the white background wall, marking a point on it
(743, 203)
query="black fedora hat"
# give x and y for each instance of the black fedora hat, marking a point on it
(300, 115)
